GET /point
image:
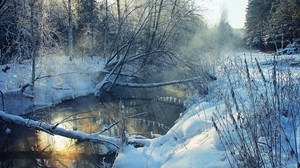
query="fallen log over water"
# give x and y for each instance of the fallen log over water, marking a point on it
(159, 84)
(111, 143)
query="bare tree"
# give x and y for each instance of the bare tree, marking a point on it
(146, 31)
(70, 30)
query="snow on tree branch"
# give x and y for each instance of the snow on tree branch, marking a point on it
(152, 85)
(109, 142)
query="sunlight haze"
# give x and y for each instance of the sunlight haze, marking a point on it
(236, 10)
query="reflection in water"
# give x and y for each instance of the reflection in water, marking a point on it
(58, 143)
(90, 115)
(62, 143)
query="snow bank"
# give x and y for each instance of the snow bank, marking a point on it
(193, 141)
(132, 157)
(58, 78)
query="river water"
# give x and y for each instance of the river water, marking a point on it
(147, 112)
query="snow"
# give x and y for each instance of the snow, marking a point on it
(109, 142)
(58, 79)
(8, 131)
(132, 157)
(203, 150)
(192, 142)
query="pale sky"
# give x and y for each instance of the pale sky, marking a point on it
(236, 10)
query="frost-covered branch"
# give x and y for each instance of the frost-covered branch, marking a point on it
(22, 90)
(152, 85)
(19, 92)
(100, 86)
(109, 142)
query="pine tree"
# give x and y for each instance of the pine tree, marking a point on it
(285, 21)
(269, 22)
(258, 12)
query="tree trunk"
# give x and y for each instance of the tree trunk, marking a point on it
(160, 84)
(153, 30)
(109, 142)
(106, 28)
(33, 43)
(92, 34)
(70, 30)
(119, 35)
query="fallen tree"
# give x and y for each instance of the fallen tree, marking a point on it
(159, 84)
(99, 88)
(111, 143)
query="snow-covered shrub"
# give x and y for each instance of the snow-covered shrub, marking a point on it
(261, 124)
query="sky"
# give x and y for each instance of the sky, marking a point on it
(236, 10)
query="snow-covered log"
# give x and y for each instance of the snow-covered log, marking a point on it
(100, 87)
(109, 142)
(152, 85)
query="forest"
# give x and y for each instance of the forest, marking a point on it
(272, 24)
(140, 35)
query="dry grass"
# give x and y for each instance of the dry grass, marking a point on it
(259, 125)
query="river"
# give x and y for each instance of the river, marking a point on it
(146, 112)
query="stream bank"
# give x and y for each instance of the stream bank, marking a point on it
(148, 112)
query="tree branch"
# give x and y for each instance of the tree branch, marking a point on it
(109, 142)
(2, 2)
(22, 90)
(152, 85)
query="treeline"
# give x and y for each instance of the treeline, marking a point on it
(147, 30)
(272, 24)
(151, 30)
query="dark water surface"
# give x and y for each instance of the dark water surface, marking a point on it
(146, 112)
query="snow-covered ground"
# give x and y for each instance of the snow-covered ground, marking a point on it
(57, 79)
(192, 142)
